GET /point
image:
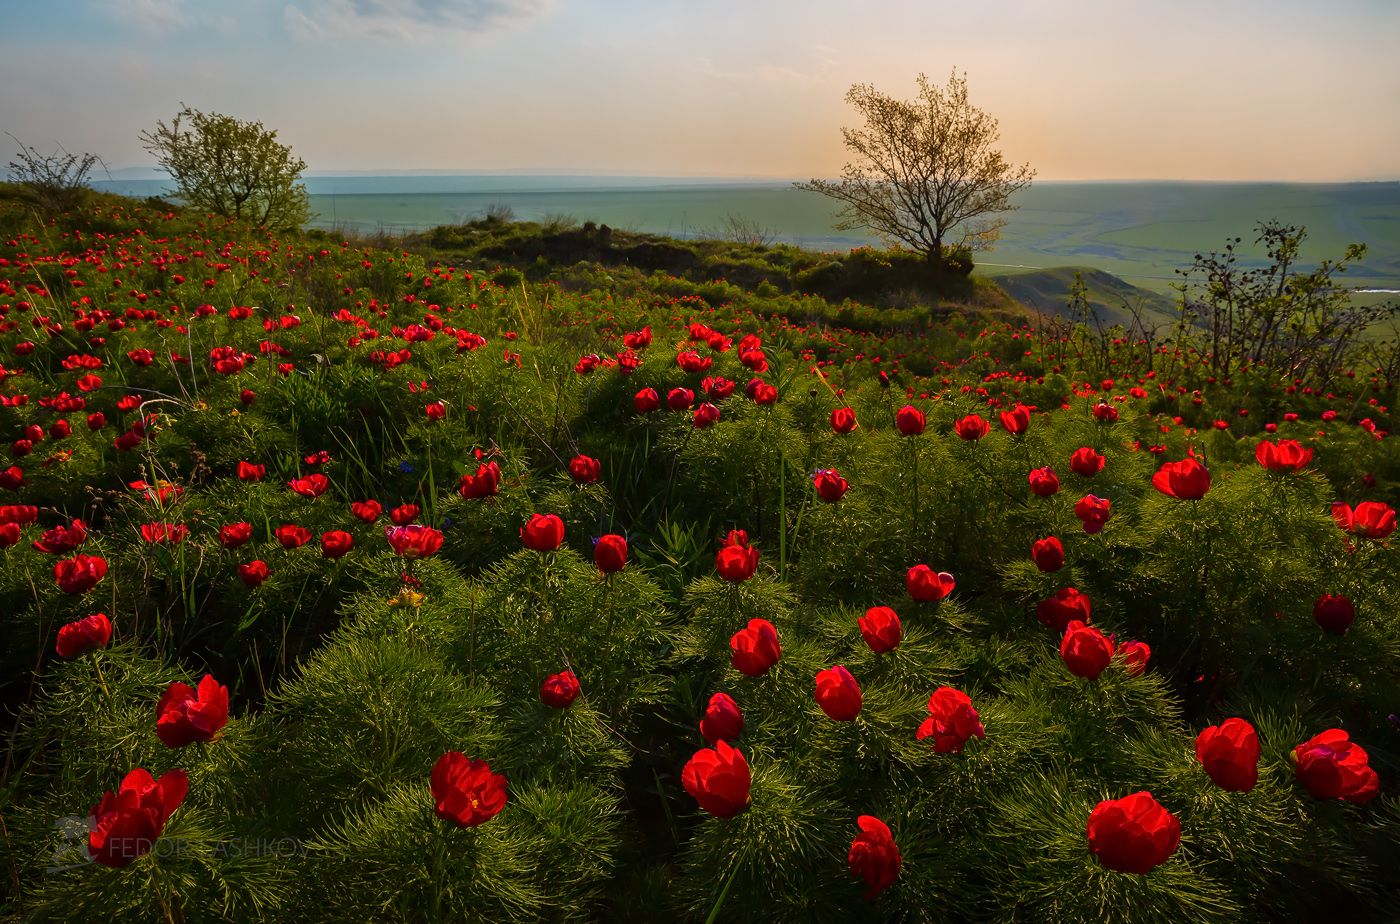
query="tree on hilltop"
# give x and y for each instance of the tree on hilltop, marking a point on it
(923, 168)
(232, 168)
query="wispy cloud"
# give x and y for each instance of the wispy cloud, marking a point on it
(152, 15)
(816, 71)
(405, 20)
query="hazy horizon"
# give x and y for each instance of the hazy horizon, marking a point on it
(1092, 90)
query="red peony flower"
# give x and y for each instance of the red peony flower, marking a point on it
(559, 690)
(292, 536)
(164, 533)
(1283, 456)
(1332, 766)
(1093, 512)
(1134, 834)
(79, 574)
(718, 778)
(1334, 613)
(646, 401)
(1048, 554)
(247, 471)
(722, 720)
(755, 649)
(435, 410)
(843, 420)
(336, 543)
(1370, 519)
(1186, 480)
(184, 716)
(466, 792)
(1086, 462)
(1229, 752)
(610, 553)
(1135, 656)
(927, 586)
(1044, 482)
(951, 721)
(706, 415)
(909, 421)
(831, 487)
(126, 824)
(972, 427)
(61, 540)
(235, 534)
(485, 483)
(310, 485)
(404, 514)
(584, 469)
(838, 694)
(736, 561)
(366, 511)
(413, 541)
(1017, 420)
(253, 573)
(680, 399)
(544, 532)
(23, 515)
(83, 635)
(881, 629)
(1085, 650)
(874, 856)
(1067, 604)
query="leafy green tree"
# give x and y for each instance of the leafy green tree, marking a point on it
(923, 168)
(231, 167)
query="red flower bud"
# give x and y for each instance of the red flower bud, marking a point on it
(874, 856)
(909, 421)
(755, 649)
(1334, 613)
(881, 629)
(85, 634)
(584, 469)
(1229, 752)
(927, 586)
(1332, 766)
(718, 778)
(610, 553)
(971, 428)
(1134, 834)
(951, 721)
(1085, 650)
(336, 543)
(544, 532)
(1048, 554)
(843, 420)
(1086, 462)
(184, 716)
(559, 690)
(838, 694)
(1186, 480)
(722, 720)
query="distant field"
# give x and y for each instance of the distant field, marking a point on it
(1141, 232)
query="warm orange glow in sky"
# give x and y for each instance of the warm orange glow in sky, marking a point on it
(1288, 89)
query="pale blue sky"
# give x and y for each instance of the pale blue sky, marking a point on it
(1186, 89)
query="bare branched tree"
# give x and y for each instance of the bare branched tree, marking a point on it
(924, 168)
(55, 181)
